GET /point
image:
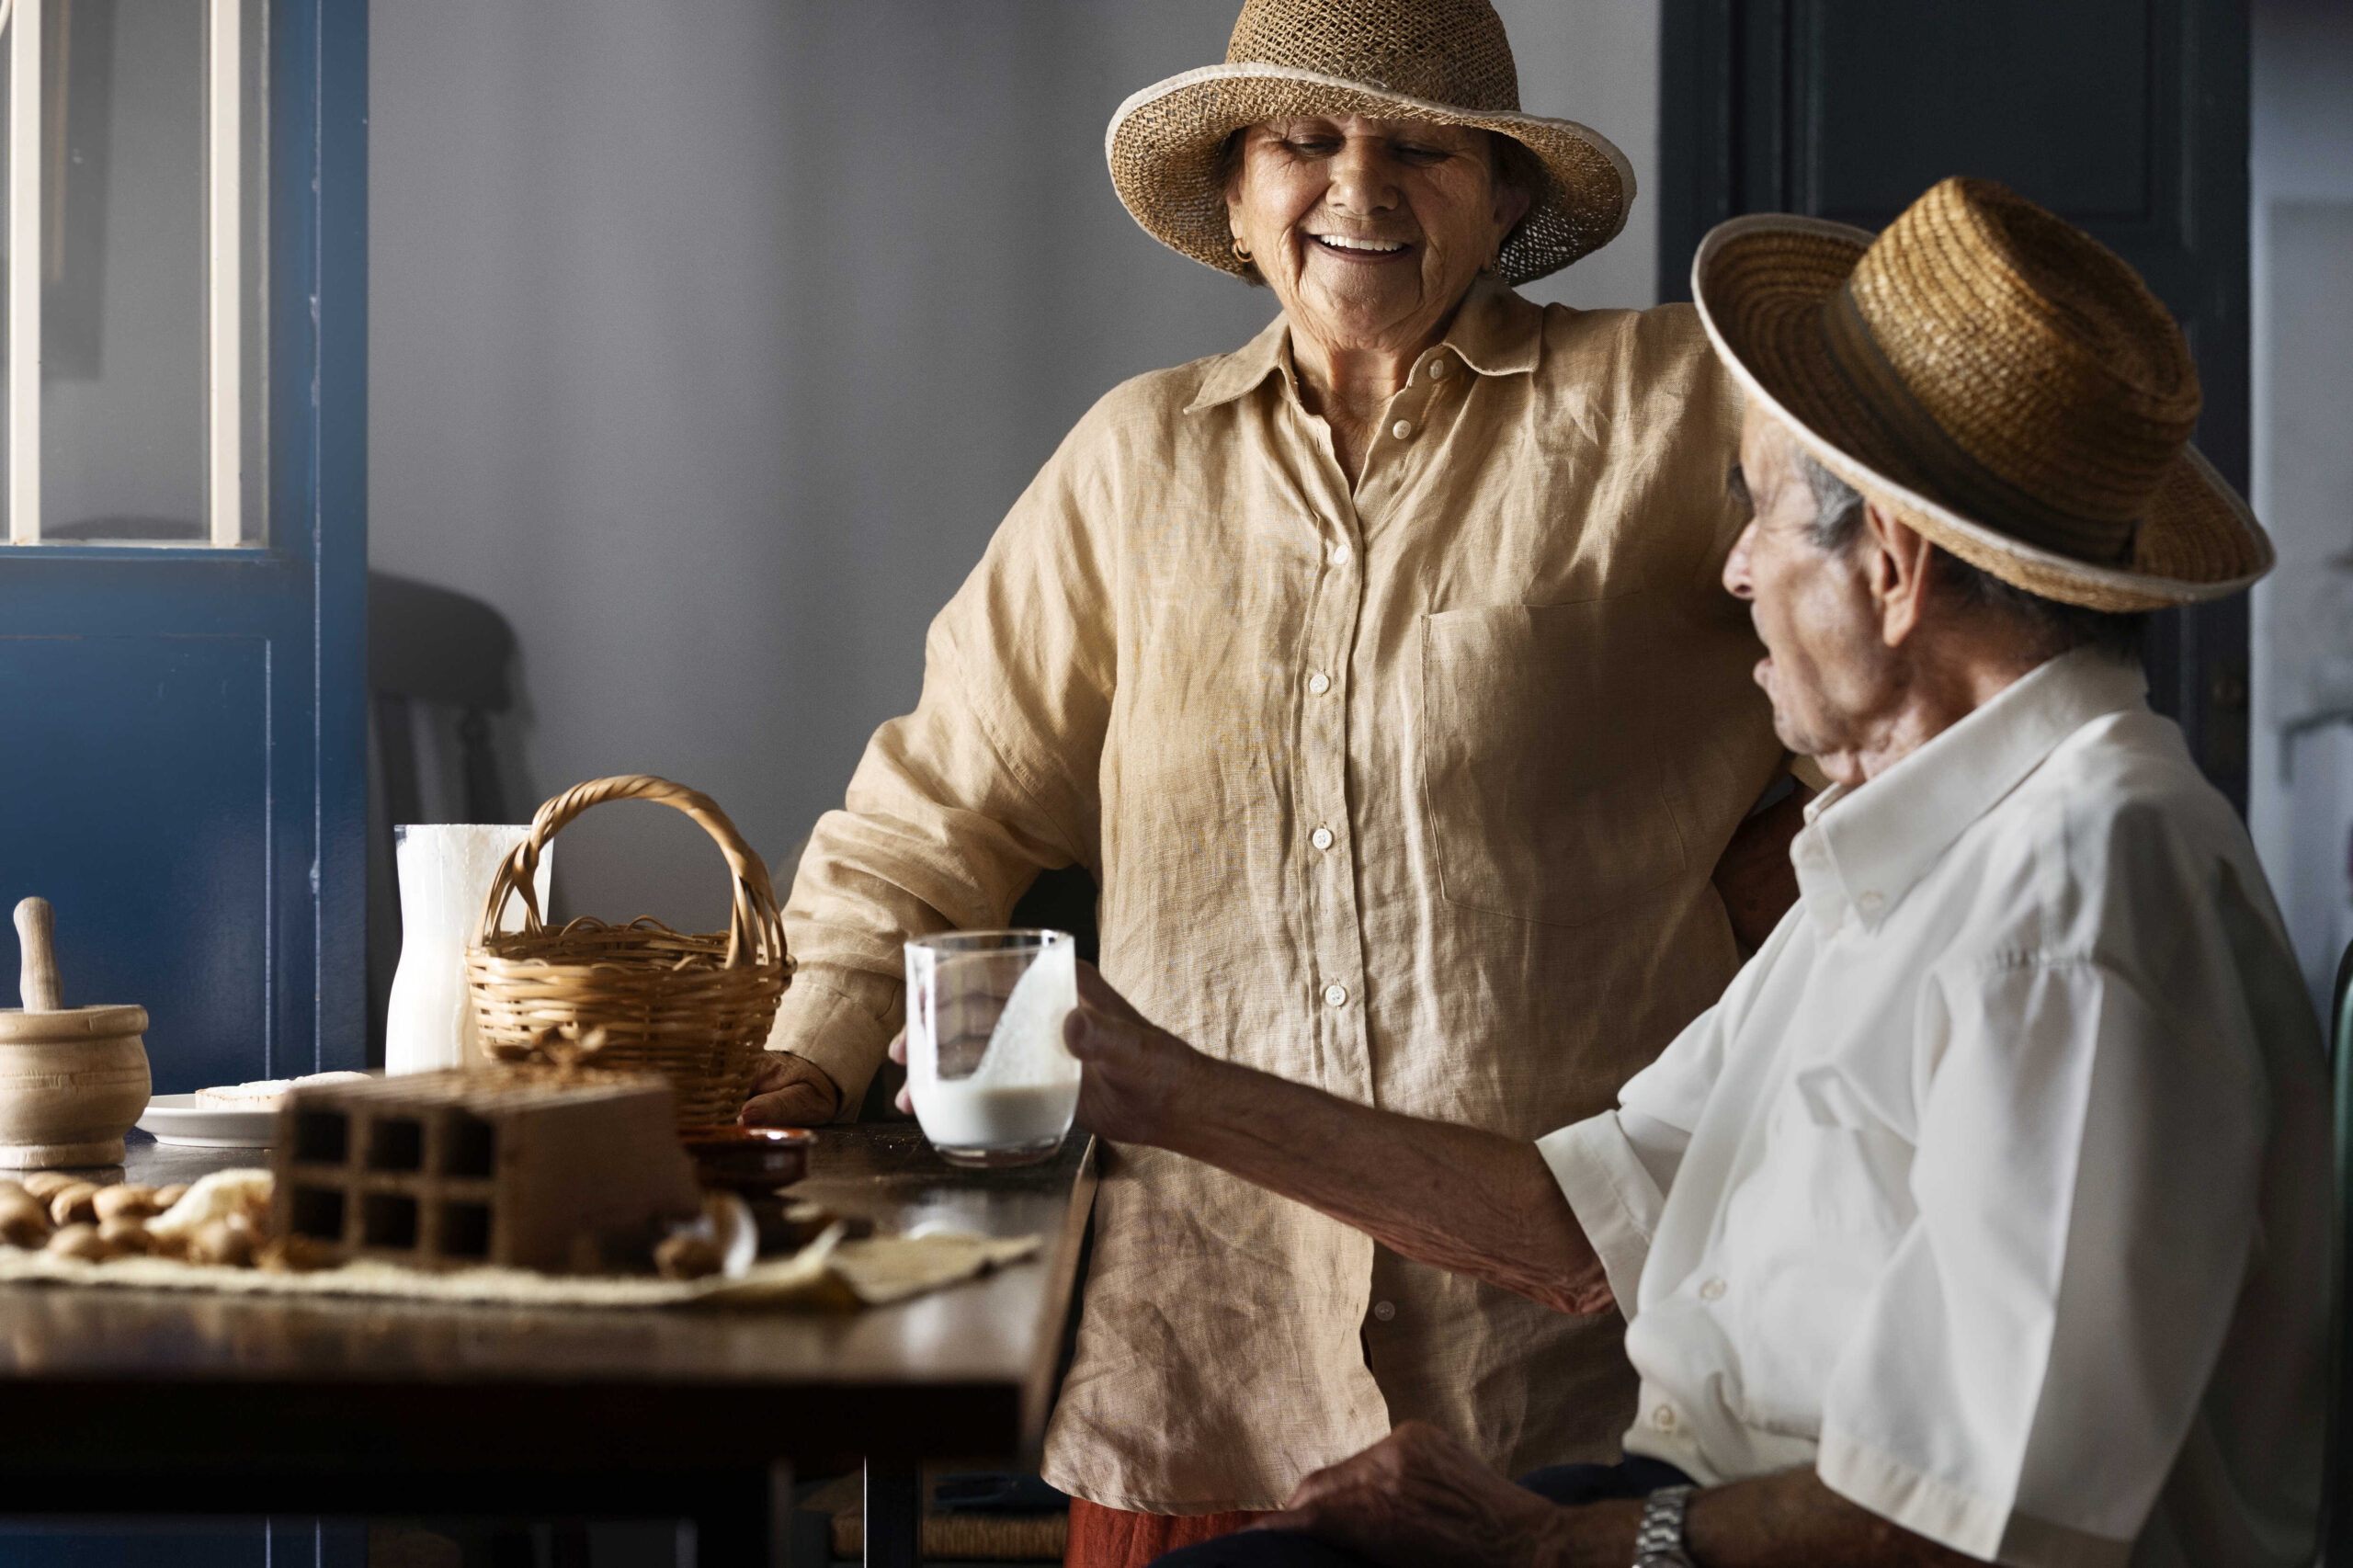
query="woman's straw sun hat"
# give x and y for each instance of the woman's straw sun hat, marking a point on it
(2000, 380)
(1442, 61)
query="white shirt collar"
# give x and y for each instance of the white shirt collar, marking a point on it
(1863, 848)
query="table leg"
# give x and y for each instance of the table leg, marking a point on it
(893, 1516)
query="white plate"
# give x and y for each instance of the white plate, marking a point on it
(180, 1119)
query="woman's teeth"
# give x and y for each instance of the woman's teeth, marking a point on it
(1343, 242)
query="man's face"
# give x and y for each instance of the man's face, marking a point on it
(1827, 668)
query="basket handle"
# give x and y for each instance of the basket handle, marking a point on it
(755, 928)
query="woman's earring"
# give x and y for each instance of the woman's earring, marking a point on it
(1241, 253)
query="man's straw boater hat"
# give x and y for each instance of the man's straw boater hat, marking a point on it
(1444, 60)
(2000, 380)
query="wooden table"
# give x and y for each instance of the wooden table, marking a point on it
(179, 1404)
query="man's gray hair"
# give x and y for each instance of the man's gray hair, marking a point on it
(1837, 506)
(2045, 623)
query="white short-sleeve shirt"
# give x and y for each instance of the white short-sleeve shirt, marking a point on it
(1997, 1188)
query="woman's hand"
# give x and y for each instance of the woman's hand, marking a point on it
(790, 1091)
(1137, 1077)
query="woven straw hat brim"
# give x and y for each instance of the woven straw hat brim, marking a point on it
(1164, 142)
(1760, 283)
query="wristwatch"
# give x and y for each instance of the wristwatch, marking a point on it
(1658, 1540)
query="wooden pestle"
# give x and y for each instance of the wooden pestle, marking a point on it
(37, 980)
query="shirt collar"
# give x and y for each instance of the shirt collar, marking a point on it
(1865, 848)
(1495, 333)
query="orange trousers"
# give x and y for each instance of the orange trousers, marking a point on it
(1113, 1538)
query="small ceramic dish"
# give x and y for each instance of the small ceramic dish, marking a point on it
(748, 1159)
(185, 1121)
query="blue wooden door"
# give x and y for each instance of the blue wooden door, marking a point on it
(181, 739)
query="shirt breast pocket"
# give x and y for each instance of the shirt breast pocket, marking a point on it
(1543, 798)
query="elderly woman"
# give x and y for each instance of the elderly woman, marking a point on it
(1381, 672)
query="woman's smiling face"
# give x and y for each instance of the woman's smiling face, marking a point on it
(1369, 231)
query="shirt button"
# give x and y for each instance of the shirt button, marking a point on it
(1440, 367)
(1713, 1290)
(1321, 838)
(1384, 1311)
(1336, 995)
(1403, 428)
(1663, 1418)
(1319, 683)
(1340, 553)
(1869, 902)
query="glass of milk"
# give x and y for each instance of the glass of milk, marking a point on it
(445, 874)
(992, 1082)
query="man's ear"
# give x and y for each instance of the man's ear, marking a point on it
(1511, 205)
(1895, 565)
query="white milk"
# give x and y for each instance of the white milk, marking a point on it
(956, 1115)
(1025, 1087)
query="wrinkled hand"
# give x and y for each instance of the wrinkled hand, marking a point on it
(1419, 1499)
(790, 1091)
(1137, 1077)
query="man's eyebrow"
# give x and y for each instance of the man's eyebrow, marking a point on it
(1737, 482)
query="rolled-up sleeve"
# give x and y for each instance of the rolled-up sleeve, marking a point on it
(957, 806)
(1615, 1169)
(2029, 1362)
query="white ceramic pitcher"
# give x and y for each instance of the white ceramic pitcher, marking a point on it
(445, 874)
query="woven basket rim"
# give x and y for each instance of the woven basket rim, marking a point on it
(2218, 508)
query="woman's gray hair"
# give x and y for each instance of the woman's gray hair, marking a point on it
(2045, 624)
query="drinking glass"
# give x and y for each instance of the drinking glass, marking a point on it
(992, 1082)
(445, 875)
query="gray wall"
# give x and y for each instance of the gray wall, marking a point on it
(709, 340)
(2300, 804)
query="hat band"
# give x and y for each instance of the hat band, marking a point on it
(1958, 477)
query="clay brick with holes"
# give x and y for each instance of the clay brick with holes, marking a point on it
(452, 1170)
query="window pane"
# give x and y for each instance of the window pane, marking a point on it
(126, 281)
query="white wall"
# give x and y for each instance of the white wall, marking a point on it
(2301, 804)
(709, 340)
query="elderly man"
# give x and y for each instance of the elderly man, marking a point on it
(1985, 1216)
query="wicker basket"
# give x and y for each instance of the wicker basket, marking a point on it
(697, 1010)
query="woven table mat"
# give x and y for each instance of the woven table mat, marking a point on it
(828, 1275)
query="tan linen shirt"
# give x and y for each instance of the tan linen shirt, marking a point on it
(1411, 793)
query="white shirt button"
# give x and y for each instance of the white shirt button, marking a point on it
(1340, 553)
(1384, 1311)
(1869, 903)
(1403, 428)
(1663, 1418)
(1441, 367)
(1337, 996)
(1319, 683)
(1712, 1290)
(1321, 838)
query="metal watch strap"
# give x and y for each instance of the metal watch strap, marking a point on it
(1658, 1540)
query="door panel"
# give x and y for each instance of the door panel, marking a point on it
(2129, 118)
(182, 742)
(173, 733)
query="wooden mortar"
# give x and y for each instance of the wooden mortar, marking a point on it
(72, 1079)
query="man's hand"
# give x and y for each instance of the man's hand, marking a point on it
(1135, 1076)
(790, 1091)
(1418, 1497)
